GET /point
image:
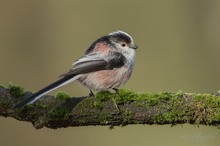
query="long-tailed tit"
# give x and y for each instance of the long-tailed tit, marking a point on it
(107, 64)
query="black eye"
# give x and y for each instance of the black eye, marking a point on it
(123, 45)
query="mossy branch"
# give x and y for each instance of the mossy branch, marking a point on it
(107, 108)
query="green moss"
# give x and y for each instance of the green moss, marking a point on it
(216, 118)
(164, 118)
(97, 104)
(61, 112)
(86, 103)
(169, 117)
(102, 117)
(158, 119)
(127, 118)
(43, 106)
(62, 95)
(165, 96)
(125, 96)
(151, 100)
(122, 97)
(104, 95)
(28, 107)
(82, 121)
(100, 97)
(168, 107)
(16, 91)
(82, 107)
(5, 103)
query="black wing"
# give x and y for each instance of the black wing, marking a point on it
(92, 63)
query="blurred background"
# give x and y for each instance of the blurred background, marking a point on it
(179, 49)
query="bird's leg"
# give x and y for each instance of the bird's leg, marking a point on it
(116, 90)
(116, 93)
(91, 94)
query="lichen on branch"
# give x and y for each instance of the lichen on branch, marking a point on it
(106, 108)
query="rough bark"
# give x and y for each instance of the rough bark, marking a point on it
(111, 109)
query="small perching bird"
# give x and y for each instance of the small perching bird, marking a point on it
(107, 64)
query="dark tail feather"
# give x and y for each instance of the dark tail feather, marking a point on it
(45, 90)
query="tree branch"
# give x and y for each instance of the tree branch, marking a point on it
(112, 109)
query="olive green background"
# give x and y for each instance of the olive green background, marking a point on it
(179, 47)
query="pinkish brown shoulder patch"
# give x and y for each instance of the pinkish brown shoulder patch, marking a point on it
(102, 48)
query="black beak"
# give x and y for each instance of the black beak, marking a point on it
(135, 47)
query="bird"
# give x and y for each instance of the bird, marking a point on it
(106, 65)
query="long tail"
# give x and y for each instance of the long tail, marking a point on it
(61, 82)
